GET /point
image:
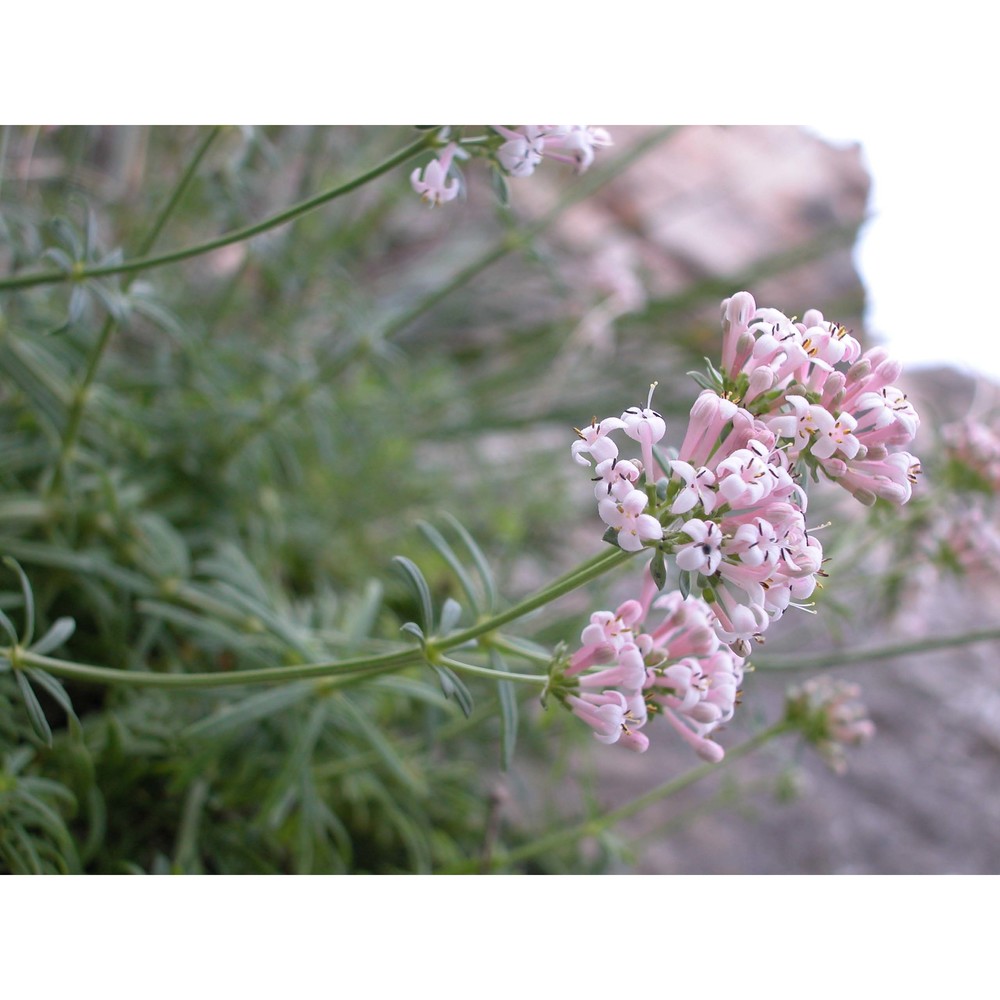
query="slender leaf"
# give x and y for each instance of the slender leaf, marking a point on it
(420, 590)
(36, 714)
(54, 688)
(412, 628)
(482, 564)
(8, 626)
(658, 570)
(508, 713)
(451, 614)
(448, 554)
(29, 600)
(60, 631)
(247, 710)
(362, 727)
(454, 687)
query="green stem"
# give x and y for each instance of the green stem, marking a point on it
(584, 573)
(598, 824)
(80, 398)
(356, 668)
(539, 680)
(849, 657)
(514, 648)
(236, 236)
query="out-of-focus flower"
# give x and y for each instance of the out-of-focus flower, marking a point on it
(830, 716)
(432, 183)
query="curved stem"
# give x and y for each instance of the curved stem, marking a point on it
(356, 667)
(598, 824)
(854, 656)
(266, 675)
(144, 263)
(540, 680)
(584, 573)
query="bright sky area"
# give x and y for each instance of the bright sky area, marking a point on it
(927, 256)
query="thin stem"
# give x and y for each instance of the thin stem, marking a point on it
(596, 825)
(83, 391)
(584, 573)
(182, 185)
(539, 680)
(332, 669)
(511, 646)
(351, 669)
(854, 656)
(236, 236)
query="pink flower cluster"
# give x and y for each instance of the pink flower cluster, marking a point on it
(521, 150)
(679, 669)
(831, 407)
(976, 446)
(829, 714)
(791, 397)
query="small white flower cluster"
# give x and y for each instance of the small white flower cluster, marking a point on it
(523, 148)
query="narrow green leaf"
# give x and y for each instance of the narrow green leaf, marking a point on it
(54, 688)
(362, 727)
(702, 380)
(453, 687)
(29, 600)
(658, 571)
(684, 583)
(451, 614)
(412, 628)
(247, 710)
(36, 714)
(60, 631)
(420, 590)
(500, 187)
(482, 564)
(447, 553)
(8, 626)
(508, 713)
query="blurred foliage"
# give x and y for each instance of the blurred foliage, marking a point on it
(265, 429)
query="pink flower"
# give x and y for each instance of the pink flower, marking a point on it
(704, 553)
(522, 151)
(830, 716)
(595, 441)
(627, 518)
(579, 142)
(697, 488)
(647, 427)
(433, 185)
